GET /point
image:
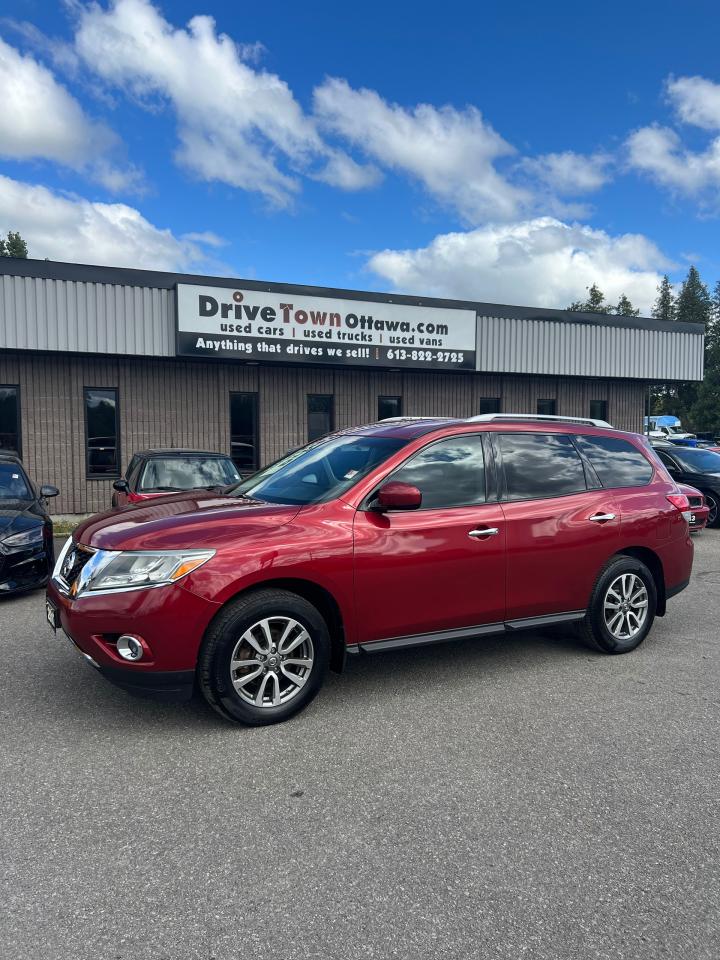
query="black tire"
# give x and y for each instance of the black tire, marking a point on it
(214, 671)
(594, 629)
(713, 502)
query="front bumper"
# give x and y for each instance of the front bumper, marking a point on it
(22, 570)
(170, 620)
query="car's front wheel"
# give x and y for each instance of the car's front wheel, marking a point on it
(622, 606)
(264, 657)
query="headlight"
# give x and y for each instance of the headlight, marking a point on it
(117, 570)
(25, 539)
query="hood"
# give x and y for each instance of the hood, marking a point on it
(16, 516)
(185, 520)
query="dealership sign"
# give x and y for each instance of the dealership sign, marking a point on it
(227, 323)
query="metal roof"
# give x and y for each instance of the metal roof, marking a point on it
(69, 307)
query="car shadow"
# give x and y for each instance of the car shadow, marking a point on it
(79, 695)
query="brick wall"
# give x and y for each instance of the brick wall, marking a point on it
(186, 404)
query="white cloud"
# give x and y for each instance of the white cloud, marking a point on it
(659, 153)
(696, 101)
(40, 119)
(234, 122)
(451, 152)
(570, 173)
(66, 227)
(542, 261)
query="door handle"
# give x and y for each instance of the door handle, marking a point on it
(601, 517)
(485, 532)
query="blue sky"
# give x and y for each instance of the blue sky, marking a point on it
(505, 152)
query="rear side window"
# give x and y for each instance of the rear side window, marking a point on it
(617, 462)
(539, 465)
(449, 473)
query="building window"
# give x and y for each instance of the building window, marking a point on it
(10, 420)
(599, 409)
(546, 408)
(244, 447)
(320, 415)
(489, 404)
(389, 407)
(102, 432)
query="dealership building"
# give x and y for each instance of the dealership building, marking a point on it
(99, 362)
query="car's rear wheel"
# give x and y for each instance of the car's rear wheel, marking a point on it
(622, 607)
(714, 515)
(264, 657)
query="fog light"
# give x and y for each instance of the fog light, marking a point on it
(129, 647)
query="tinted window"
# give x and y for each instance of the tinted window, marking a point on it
(616, 462)
(449, 473)
(319, 472)
(489, 404)
(599, 409)
(10, 419)
(546, 408)
(320, 415)
(668, 461)
(389, 407)
(696, 460)
(13, 485)
(244, 431)
(102, 432)
(540, 465)
(186, 473)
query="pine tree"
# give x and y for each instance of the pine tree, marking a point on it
(693, 302)
(624, 308)
(664, 306)
(14, 246)
(706, 409)
(595, 302)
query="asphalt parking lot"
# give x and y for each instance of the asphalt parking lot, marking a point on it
(504, 798)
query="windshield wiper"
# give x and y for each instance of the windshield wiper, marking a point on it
(163, 490)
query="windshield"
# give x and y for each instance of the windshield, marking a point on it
(13, 484)
(318, 472)
(187, 473)
(697, 460)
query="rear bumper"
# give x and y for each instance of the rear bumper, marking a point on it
(678, 588)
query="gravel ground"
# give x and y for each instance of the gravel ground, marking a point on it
(506, 798)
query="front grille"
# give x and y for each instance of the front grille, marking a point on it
(75, 559)
(695, 501)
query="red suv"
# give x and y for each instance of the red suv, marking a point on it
(405, 532)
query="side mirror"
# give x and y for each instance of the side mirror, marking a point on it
(122, 486)
(397, 496)
(48, 490)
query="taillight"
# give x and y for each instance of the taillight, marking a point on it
(682, 503)
(679, 500)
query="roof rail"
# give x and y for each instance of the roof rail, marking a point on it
(487, 417)
(403, 419)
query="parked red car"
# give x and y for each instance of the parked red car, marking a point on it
(155, 473)
(395, 534)
(699, 509)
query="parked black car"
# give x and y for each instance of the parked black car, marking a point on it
(26, 531)
(697, 467)
(153, 473)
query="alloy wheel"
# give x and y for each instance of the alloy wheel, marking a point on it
(625, 607)
(271, 662)
(713, 507)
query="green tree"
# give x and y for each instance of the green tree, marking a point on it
(625, 309)
(595, 302)
(693, 302)
(14, 246)
(706, 409)
(664, 306)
